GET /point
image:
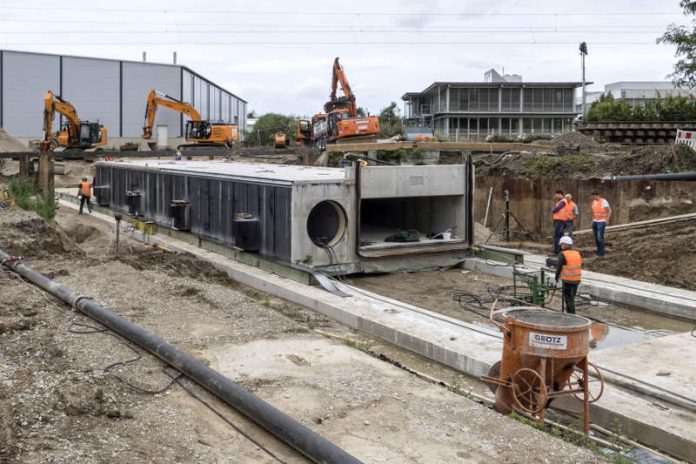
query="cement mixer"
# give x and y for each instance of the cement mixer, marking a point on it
(544, 357)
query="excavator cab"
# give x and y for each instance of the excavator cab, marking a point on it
(198, 130)
(90, 134)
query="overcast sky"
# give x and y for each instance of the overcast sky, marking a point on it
(277, 55)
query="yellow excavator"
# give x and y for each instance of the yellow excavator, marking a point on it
(74, 133)
(199, 133)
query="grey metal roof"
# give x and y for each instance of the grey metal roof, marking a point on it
(129, 61)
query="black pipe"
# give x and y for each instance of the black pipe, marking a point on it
(358, 201)
(663, 177)
(285, 428)
(469, 181)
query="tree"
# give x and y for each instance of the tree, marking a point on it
(267, 125)
(684, 38)
(362, 112)
(390, 121)
(251, 114)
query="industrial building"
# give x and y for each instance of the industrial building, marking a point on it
(500, 105)
(114, 92)
(638, 93)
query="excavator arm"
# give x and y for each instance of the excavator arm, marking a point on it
(55, 104)
(347, 101)
(156, 99)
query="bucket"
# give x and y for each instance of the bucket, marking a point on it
(447, 236)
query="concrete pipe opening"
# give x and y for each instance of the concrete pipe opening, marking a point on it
(326, 223)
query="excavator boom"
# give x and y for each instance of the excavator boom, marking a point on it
(156, 99)
(347, 101)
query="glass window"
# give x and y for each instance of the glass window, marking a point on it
(514, 126)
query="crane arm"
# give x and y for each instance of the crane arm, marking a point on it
(339, 76)
(156, 99)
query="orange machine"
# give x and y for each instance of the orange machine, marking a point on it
(340, 122)
(73, 133)
(281, 140)
(303, 132)
(198, 132)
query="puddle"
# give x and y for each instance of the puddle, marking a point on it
(609, 335)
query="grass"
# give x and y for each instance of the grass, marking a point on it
(26, 197)
(579, 439)
(558, 166)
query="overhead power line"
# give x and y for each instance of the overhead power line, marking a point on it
(317, 43)
(330, 13)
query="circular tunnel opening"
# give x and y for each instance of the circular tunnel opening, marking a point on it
(326, 223)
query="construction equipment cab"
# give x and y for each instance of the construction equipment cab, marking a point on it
(303, 132)
(198, 132)
(73, 133)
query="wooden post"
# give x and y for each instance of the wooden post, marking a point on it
(45, 170)
(24, 165)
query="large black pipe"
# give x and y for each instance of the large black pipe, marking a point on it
(663, 177)
(469, 192)
(266, 416)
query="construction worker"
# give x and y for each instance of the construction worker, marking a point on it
(560, 216)
(572, 212)
(85, 194)
(601, 213)
(177, 157)
(569, 270)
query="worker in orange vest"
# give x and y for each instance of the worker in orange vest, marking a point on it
(560, 216)
(85, 194)
(569, 270)
(601, 213)
(572, 212)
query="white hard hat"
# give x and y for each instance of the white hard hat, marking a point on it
(565, 240)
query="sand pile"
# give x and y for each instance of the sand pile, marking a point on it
(9, 144)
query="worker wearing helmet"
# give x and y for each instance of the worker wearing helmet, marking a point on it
(569, 270)
(85, 194)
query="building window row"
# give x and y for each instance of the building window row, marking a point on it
(479, 128)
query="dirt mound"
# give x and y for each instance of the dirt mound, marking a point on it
(571, 141)
(10, 144)
(80, 233)
(652, 254)
(24, 233)
(654, 159)
(176, 265)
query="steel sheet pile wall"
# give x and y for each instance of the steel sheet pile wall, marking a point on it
(214, 201)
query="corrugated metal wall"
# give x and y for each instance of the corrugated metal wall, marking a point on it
(214, 202)
(138, 80)
(110, 91)
(93, 87)
(25, 80)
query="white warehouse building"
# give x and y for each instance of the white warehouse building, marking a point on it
(114, 92)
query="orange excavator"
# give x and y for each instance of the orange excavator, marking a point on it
(340, 121)
(303, 132)
(198, 132)
(74, 133)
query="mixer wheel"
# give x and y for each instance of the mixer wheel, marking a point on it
(529, 390)
(495, 373)
(595, 384)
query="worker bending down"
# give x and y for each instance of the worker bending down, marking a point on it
(569, 269)
(85, 194)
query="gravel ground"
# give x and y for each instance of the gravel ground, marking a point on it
(58, 404)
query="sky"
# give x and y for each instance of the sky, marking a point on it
(278, 55)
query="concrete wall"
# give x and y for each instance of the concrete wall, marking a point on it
(531, 201)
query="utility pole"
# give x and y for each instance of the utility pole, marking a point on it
(583, 52)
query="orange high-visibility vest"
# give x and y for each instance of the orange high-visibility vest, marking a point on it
(572, 269)
(562, 214)
(85, 189)
(599, 212)
(570, 210)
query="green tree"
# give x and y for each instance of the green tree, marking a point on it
(390, 121)
(684, 38)
(267, 125)
(361, 112)
(251, 114)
